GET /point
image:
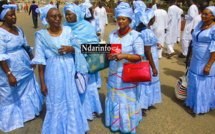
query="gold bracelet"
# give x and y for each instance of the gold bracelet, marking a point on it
(208, 65)
(128, 56)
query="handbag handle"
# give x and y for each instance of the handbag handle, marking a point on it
(139, 56)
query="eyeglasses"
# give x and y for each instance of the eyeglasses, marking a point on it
(55, 16)
(206, 14)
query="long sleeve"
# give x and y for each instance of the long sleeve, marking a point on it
(106, 20)
(192, 12)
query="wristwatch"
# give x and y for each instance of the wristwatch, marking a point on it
(8, 73)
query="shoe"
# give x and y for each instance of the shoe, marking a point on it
(143, 113)
(182, 56)
(190, 111)
(170, 55)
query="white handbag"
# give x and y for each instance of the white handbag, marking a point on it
(81, 82)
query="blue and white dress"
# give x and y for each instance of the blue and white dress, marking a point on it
(122, 107)
(18, 104)
(65, 114)
(95, 23)
(150, 92)
(201, 88)
(85, 34)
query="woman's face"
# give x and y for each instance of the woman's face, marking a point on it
(207, 16)
(54, 17)
(70, 17)
(152, 21)
(123, 21)
(10, 17)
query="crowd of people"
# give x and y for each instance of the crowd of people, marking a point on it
(141, 32)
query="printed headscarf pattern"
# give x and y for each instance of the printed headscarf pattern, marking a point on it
(140, 8)
(123, 9)
(146, 17)
(7, 7)
(212, 9)
(85, 8)
(43, 12)
(82, 29)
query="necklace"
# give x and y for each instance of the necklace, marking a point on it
(55, 32)
(207, 26)
(122, 33)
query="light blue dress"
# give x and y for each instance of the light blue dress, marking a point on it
(200, 92)
(122, 107)
(18, 104)
(95, 23)
(150, 92)
(65, 114)
(85, 34)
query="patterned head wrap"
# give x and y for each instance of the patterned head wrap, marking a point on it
(43, 12)
(7, 7)
(212, 9)
(85, 8)
(139, 11)
(146, 17)
(123, 9)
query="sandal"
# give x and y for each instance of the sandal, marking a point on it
(190, 111)
(143, 113)
(182, 56)
(183, 104)
(170, 55)
(95, 115)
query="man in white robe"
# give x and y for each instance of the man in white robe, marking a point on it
(186, 36)
(100, 11)
(172, 29)
(159, 26)
(179, 23)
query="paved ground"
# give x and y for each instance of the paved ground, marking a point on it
(164, 118)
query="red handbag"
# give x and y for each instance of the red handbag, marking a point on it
(139, 72)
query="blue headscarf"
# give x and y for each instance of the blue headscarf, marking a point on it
(123, 9)
(82, 29)
(7, 7)
(145, 17)
(140, 8)
(85, 8)
(212, 9)
(43, 12)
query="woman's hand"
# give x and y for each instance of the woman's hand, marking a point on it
(65, 50)
(44, 89)
(155, 72)
(206, 70)
(159, 46)
(117, 57)
(98, 33)
(12, 80)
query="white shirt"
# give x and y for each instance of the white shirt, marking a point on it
(160, 24)
(192, 13)
(196, 21)
(173, 20)
(179, 21)
(102, 14)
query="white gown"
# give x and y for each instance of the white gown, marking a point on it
(159, 27)
(186, 36)
(102, 14)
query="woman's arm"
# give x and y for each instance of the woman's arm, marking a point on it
(12, 80)
(129, 57)
(209, 64)
(44, 89)
(149, 57)
(65, 50)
